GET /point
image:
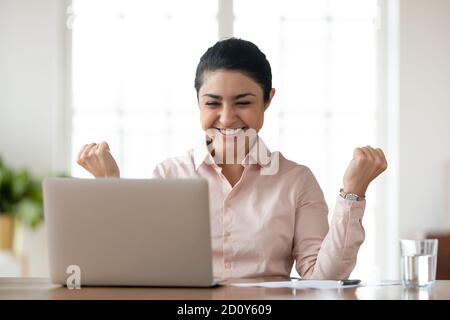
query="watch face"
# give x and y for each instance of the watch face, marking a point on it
(352, 196)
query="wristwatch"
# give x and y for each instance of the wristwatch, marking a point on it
(350, 196)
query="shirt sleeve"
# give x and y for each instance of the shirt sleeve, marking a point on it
(322, 251)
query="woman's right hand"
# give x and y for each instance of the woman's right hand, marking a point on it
(97, 159)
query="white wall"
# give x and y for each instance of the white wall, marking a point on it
(424, 115)
(32, 85)
(31, 81)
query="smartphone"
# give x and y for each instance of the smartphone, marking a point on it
(349, 282)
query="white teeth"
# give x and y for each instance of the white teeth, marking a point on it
(230, 131)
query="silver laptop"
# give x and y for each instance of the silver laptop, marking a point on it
(129, 232)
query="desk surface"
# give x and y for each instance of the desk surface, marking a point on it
(42, 289)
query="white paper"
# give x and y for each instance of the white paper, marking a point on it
(381, 283)
(300, 284)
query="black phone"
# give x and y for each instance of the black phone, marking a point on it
(349, 282)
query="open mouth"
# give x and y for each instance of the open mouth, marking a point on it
(231, 131)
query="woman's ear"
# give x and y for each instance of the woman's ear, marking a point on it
(271, 94)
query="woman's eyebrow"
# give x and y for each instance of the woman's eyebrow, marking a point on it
(243, 95)
(215, 96)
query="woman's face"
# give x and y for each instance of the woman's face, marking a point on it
(231, 100)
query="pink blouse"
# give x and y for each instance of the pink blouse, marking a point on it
(265, 222)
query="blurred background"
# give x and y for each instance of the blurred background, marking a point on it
(348, 73)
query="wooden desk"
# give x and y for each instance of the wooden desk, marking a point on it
(42, 289)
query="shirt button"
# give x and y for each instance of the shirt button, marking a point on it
(227, 265)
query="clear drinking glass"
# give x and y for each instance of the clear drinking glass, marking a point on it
(418, 262)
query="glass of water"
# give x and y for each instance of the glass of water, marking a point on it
(418, 262)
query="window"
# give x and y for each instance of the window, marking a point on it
(133, 77)
(133, 81)
(323, 58)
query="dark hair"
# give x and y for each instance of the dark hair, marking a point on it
(240, 55)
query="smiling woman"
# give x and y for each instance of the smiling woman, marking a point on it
(229, 116)
(234, 88)
(260, 223)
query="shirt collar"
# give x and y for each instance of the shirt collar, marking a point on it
(202, 154)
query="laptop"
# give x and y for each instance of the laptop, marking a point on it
(129, 232)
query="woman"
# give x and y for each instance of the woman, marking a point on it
(260, 222)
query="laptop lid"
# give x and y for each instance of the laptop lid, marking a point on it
(129, 232)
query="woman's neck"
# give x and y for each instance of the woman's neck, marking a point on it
(233, 172)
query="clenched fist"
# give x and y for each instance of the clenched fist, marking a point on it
(97, 159)
(366, 165)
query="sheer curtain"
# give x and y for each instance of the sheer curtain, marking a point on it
(134, 65)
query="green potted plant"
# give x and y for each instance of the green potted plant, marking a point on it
(20, 199)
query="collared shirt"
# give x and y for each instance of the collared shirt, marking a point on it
(269, 220)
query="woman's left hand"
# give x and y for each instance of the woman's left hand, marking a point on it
(366, 165)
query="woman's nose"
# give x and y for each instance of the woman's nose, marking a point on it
(227, 116)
